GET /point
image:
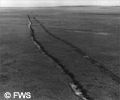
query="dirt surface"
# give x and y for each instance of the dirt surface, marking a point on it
(45, 67)
(23, 68)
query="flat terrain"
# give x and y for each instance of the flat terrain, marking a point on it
(65, 45)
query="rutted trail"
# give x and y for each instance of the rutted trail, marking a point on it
(74, 65)
(77, 88)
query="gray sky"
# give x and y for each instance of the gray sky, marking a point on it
(35, 3)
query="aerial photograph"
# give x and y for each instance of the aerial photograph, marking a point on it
(59, 49)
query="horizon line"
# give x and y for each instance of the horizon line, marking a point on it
(60, 6)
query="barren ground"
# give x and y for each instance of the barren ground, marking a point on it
(26, 68)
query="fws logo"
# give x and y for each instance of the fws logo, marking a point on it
(18, 95)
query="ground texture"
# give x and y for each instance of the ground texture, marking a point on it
(43, 51)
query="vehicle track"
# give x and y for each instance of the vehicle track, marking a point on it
(75, 85)
(101, 66)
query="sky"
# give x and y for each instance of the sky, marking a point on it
(42, 3)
